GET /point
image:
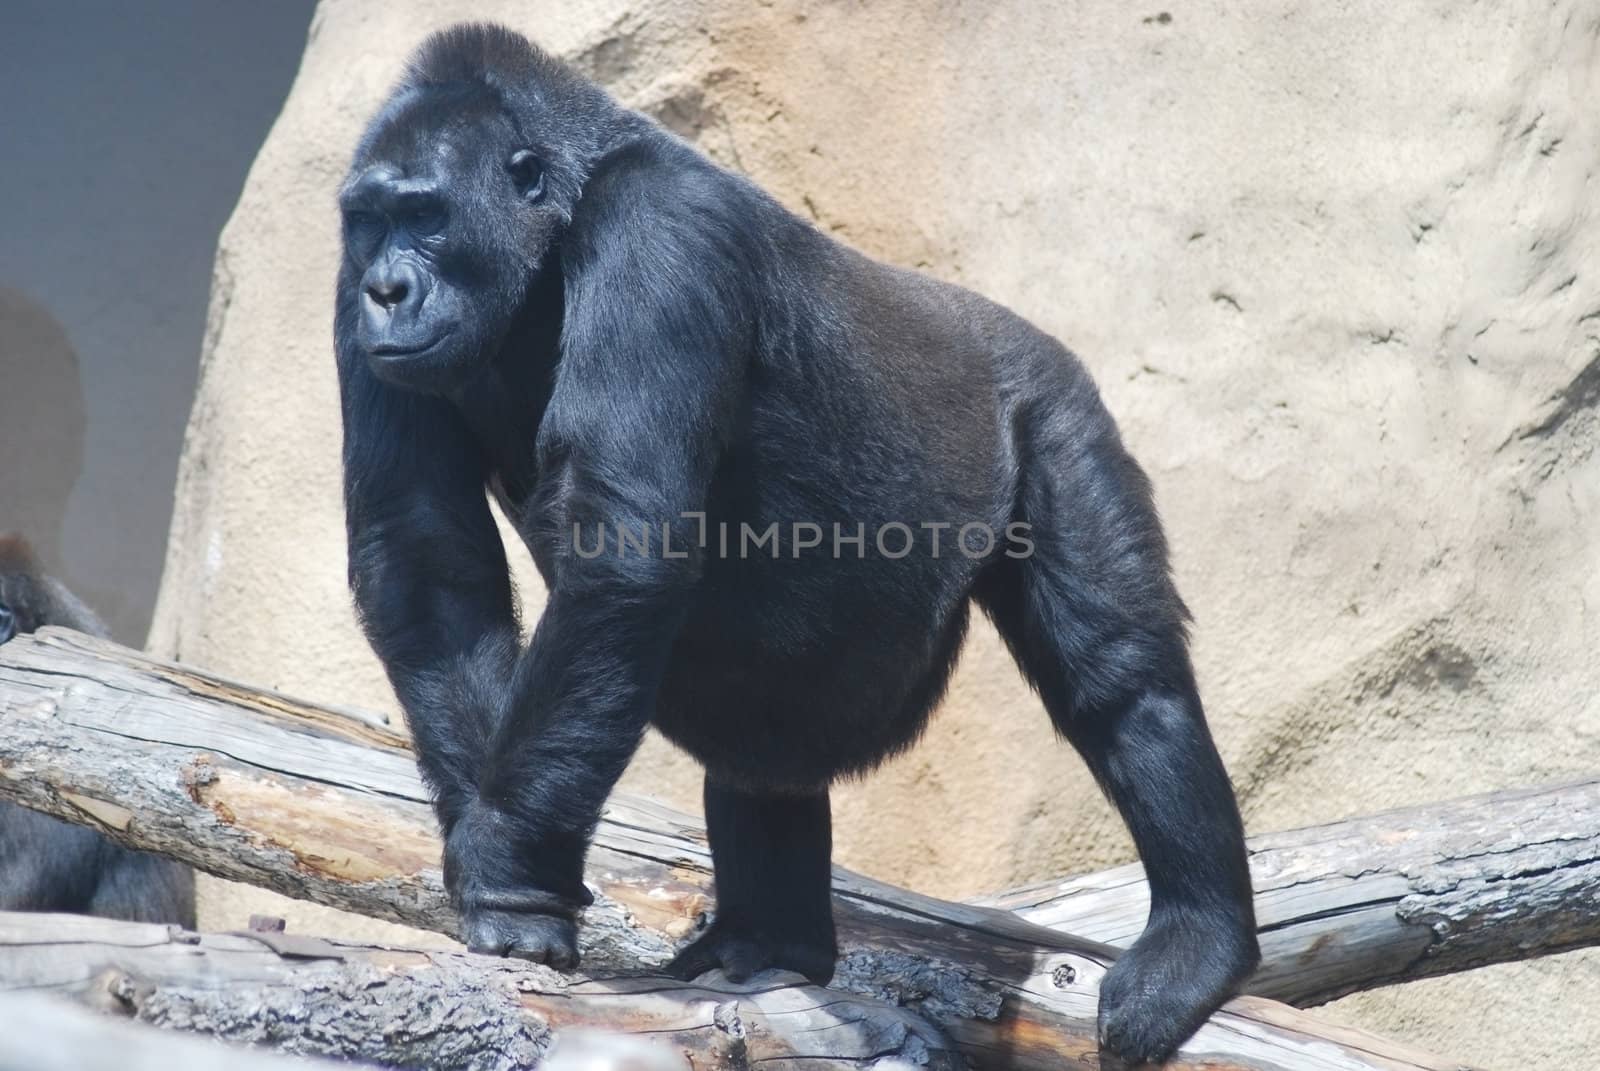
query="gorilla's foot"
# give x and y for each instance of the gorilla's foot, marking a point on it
(742, 951)
(1172, 979)
(548, 939)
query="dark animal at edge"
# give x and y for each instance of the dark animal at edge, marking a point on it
(50, 865)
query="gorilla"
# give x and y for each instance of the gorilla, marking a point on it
(50, 865)
(732, 446)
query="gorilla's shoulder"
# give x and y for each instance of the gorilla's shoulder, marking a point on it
(654, 196)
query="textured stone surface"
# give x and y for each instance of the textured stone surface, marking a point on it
(1334, 269)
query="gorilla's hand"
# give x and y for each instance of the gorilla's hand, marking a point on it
(1171, 980)
(505, 883)
(547, 939)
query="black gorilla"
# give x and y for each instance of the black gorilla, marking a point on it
(50, 865)
(762, 477)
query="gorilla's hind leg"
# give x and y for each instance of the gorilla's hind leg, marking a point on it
(141, 887)
(774, 887)
(1094, 621)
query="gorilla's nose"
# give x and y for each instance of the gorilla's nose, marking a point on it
(394, 287)
(387, 292)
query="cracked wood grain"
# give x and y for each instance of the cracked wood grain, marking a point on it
(441, 1010)
(299, 799)
(39, 1033)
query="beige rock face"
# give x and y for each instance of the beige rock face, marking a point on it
(1334, 266)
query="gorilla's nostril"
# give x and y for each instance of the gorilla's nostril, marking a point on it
(387, 292)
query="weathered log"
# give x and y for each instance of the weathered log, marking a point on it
(40, 1033)
(1388, 897)
(256, 787)
(444, 1010)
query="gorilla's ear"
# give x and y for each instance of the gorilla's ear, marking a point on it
(528, 173)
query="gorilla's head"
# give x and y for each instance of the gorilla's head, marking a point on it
(459, 192)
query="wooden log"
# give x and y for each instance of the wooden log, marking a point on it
(446, 1010)
(40, 1033)
(256, 787)
(1388, 897)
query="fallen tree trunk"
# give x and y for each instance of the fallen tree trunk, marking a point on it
(45, 1034)
(443, 1010)
(1388, 897)
(258, 788)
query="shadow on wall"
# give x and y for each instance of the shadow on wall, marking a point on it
(128, 132)
(42, 417)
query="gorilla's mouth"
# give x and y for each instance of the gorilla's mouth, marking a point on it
(400, 351)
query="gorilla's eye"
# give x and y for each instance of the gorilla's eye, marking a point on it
(364, 231)
(527, 172)
(425, 217)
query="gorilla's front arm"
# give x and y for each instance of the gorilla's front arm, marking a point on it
(627, 443)
(427, 569)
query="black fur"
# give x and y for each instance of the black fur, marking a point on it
(550, 296)
(50, 865)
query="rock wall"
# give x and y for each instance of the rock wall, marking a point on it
(1335, 269)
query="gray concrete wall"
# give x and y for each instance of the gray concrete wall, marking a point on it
(126, 130)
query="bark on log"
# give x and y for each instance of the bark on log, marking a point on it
(445, 1010)
(259, 788)
(48, 1034)
(1388, 897)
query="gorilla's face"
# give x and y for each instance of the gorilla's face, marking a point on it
(448, 216)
